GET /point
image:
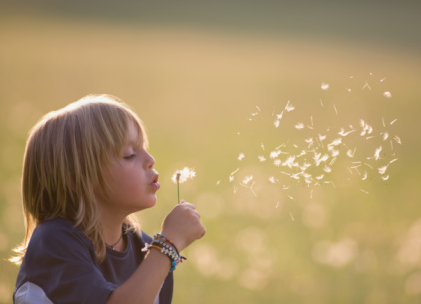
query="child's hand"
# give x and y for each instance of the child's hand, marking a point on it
(182, 225)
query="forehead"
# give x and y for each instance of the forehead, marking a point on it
(135, 135)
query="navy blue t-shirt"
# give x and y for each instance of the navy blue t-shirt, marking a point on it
(60, 267)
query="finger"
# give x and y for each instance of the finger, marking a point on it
(188, 205)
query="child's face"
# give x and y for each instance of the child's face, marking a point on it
(131, 179)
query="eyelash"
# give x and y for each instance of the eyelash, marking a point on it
(130, 157)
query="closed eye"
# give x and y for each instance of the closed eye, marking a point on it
(129, 157)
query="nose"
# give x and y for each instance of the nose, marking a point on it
(150, 161)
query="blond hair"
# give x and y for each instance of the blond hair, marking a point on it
(64, 159)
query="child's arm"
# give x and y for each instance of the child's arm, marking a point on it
(182, 225)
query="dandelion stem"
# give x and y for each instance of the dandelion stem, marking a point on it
(178, 187)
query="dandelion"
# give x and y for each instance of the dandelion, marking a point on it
(180, 176)
(241, 156)
(325, 86)
(272, 179)
(276, 123)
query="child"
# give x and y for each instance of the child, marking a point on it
(86, 171)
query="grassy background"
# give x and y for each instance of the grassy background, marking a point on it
(194, 72)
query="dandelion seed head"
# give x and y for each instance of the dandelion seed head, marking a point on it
(276, 123)
(241, 156)
(183, 175)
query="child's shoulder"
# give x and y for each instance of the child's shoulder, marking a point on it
(57, 232)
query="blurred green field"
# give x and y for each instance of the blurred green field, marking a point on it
(195, 90)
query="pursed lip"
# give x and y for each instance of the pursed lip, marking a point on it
(155, 183)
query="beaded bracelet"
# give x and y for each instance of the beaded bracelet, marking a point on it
(160, 236)
(168, 248)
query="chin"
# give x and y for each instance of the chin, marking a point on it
(151, 202)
